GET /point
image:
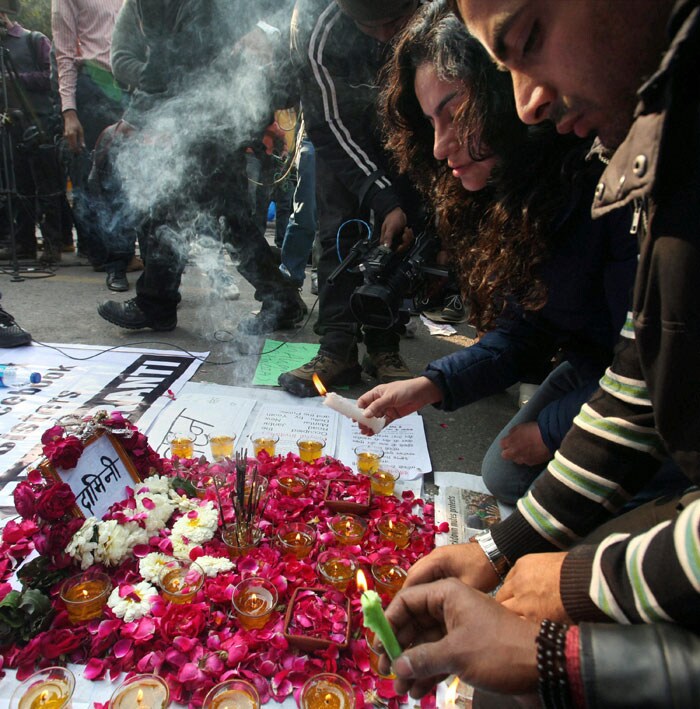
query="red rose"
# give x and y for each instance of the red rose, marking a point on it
(55, 502)
(55, 643)
(188, 621)
(64, 452)
(24, 500)
(52, 434)
(55, 537)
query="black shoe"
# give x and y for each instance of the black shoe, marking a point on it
(274, 316)
(129, 316)
(314, 282)
(11, 334)
(117, 282)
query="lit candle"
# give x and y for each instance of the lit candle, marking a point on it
(347, 408)
(180, 581)
(395, 529)
(51, 688)
(337, 567)
(310, 449)
(375, 620)
(368, 460)
(383, 481)
(327, 691)
(293, 485)
(264, 442)
(141, 692)
(389, 574)
(348, 529)
(204, 483)
(221, 446)
(181, 445)
(85, 595)
(232, 694)
(254, 600)
(297, 538)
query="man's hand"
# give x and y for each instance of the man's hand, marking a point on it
(531, 588)
(449, 628)
(394, 229)
(398, 399)
(466, 562)
(524, 445)
(73, 131)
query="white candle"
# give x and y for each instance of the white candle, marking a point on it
(348, 408)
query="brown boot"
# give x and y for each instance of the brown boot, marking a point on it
(331, 371)
(386, 366)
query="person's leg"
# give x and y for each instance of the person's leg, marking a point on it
(24, 206)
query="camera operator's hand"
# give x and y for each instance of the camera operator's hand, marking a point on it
(398, 399)
(395, 233)
(73, 131)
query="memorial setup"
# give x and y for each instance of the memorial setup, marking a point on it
(226, 583)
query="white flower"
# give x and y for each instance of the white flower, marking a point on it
(83, 546)
(152, 564)
(181, 549)
(134, 606)
(116, 540)
(213, 565)
(156, 484)
(198, 525)
(184, 503)
(159, 514)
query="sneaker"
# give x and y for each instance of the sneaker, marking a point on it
(314, 282)
(129, 316)
(386, 366)
(273, 316)
(331, 370)
(117, 282)
(11, 334)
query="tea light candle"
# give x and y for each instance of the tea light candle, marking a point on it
(232, 694)
(51, 688)
(337, 567)
(141, 692)
(389, 574)
(85, 596)
(375, 620)
(202, 484)
(264, 442)
(327, 691)
(368, 460)
(310, 449)
(383, 481)
(297, 538)
(221, 446)
(395, 529)
(253, 601)
(348, 529)
(179, 581)
(346, 407)
(293, 485)
(181, 445)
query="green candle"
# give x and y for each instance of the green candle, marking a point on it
(376, 621)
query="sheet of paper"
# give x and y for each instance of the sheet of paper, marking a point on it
(403, 442)
(291, 423)
(278, 357)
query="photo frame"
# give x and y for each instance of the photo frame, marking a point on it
(99, 479)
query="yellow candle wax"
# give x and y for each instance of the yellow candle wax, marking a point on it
(310, 450)
(395, 529)
(254, 600)
(299, 543)
(338, 573)
(221, 446)
(264, 443)
(179, 584)
(85, 597)
(327, 691)
(348, 529)
(182, 446)
(293, 485)
(234, 699)
(368, 462)
(142, 693)
(389, 577)
(383, 482)
(51, 694)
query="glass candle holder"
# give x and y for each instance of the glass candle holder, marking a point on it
(264, 442)
(232, 694)
(389, 572)
(255, 486)
(310, 449)
(293, 484)
(383, 481)
(368, 459)
(348, 529)
(221, 445)
(179, 581)
(240, 541)
(85, 595)
(141, 691)
(297, 538)
(395, 528)
(327, 691)
(181, 444)
(50, 688)
(204, 482)
(254, 600)
(374, 658)
(337, 567)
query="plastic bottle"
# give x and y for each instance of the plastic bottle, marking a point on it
(13, 375)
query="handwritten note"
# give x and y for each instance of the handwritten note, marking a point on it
(278, 357)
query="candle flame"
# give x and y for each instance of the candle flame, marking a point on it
(327, 699)
(451, 695)
(391, 525)
(85, 593)
(319, 384)
(43, 697)
(139, 696)
(361, 580)
(298, 538)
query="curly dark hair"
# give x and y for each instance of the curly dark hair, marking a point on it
(497, 238)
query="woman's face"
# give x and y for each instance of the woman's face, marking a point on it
(439, 101)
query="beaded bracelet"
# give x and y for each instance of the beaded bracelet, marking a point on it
(551, 665)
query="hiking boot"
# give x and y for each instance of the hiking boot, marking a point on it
(129, 316)
(452, 311)
(331, 370)
(274, 316)
(386, 367)
(11, 334)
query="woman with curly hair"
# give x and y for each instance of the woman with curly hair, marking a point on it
(512, 204)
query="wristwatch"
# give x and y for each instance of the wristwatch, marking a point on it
(496, 558)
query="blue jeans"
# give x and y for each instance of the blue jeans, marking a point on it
(301, 229)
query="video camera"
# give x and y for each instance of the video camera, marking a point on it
(389, 278)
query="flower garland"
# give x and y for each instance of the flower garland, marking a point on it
(196, 645)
